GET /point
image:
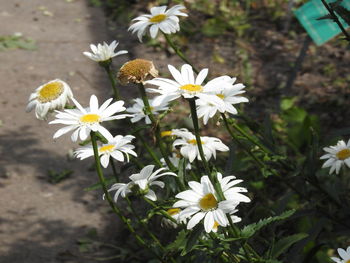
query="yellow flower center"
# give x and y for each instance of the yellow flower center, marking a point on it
(50, 92)
(106, 148)
(194, 142)
(216, 225)
(192, 88)
(208, 202)
(90, 118)
(342, 155)
(348, 261)
(157, 18)
(166, 133)
(173, 211)
(221, 96)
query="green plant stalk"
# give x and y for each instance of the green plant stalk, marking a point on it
(246, 247)
(109, 198)
(178, 52)
(156, 127)
(114, 170)
(227, 126)
(112, 80)
(149, 149)
(336, 20)
(194, 117)
(155, 239)
(163, 212)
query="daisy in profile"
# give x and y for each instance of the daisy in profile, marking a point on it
(225, 89)
(50, 96)
(337, 156)
(202, 202)
(161, 19)
(116, 147)
(189, 148)
(186, 85)
(138, 110)
(141, 183)
(84, 120)
(345, 256)
(176, 132)
(104, 52)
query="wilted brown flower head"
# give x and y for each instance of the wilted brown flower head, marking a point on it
(137, 71)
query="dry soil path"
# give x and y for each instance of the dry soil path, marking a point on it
(40, 222)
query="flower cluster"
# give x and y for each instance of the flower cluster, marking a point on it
(211, 199)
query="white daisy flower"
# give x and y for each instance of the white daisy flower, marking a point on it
(175, 160)
(53, 95)
(138, 110)
(189, 147)
(121, 189)
(143, 180)
(225, 89)
(159, 19)
(235, 219)
(176, 132)
(345, 256)
(185, 85)
(174, 213)
(202, 202)
(116, 147)
(230, 191)
(104, 52)
(84, 120)
(337, 156)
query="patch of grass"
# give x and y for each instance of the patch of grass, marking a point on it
(16, 41)
(57, 177)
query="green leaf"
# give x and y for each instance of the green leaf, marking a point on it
(287, 103)
(250, 230)
(179, 243)
(99, 185)
(283, 244)
(192, 240)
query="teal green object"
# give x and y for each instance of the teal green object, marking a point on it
(319, 30)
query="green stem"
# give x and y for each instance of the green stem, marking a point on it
(149, 149)
(178, 52)
(113, 82)
(114, 170)
(109, 198)
(336, 20)
(246, 247)
(156, 127)
(227, 126)
(194, 116)
(162, 211)
(155, 239)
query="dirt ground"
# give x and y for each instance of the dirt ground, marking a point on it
(40, 221)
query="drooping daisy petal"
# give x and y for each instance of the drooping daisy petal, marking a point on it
(53, 95)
